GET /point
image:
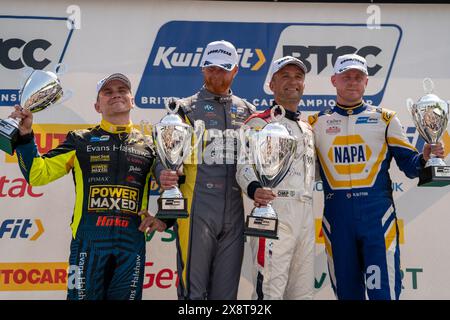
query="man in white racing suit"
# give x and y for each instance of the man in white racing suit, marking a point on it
(284, 268)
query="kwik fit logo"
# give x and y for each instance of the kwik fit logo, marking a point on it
(173, 67)
(27, 41)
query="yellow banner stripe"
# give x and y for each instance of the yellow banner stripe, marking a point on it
(391, 235)
(33, 276)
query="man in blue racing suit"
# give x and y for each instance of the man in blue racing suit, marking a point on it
(355, 144)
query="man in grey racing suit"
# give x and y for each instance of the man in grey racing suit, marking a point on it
(210, 242)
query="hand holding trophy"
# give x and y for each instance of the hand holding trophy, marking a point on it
(173, 140)
(272, 151)
(41, 89)
(430, 116)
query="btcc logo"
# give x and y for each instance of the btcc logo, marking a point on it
(305, 54)
(349, 152)
(119, 198)
(27, 49)
(170, 58)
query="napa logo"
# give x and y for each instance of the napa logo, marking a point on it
(349, 153)
(173, 66)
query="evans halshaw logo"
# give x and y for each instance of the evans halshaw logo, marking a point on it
(26, 41)
(173, 67)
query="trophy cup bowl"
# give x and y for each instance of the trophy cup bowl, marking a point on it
(173, 141)
(40, 90)
(272, 151)
(430, 116)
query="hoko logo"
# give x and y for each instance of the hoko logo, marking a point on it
(35, 42)
(173, 67)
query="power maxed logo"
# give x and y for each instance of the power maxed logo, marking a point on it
(36, 42)
(121, 198)
(173, 67)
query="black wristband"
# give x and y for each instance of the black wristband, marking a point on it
(422, 160)
(251, 189)
(27, 138)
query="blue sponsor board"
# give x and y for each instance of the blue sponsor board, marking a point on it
(173, 67)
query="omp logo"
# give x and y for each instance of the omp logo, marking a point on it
(172, 68)
(170, 57)
(21, 229)
(320, 238)
(33, 276)
(112, 197)
(49, 136)
(36, 42)
(349, 154)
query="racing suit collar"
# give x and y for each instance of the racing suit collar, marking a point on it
(116, 128)
(208, 95)
(349, 110)
(294, 116)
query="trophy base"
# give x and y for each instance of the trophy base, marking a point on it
(261, 227)
(434, 176)
(9, 133)
(172, 208)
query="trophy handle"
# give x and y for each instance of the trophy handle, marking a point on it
(428, 85)
(277, 118)
(25, 74)
(66, 95)
(146, 127)
(409, 105)
(244, 140)
(171, 102)
(60, 69)
(198, 131)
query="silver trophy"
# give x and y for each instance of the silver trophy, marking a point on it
(173, 140)
(41, 89)
(272, 151)
(430, 116)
